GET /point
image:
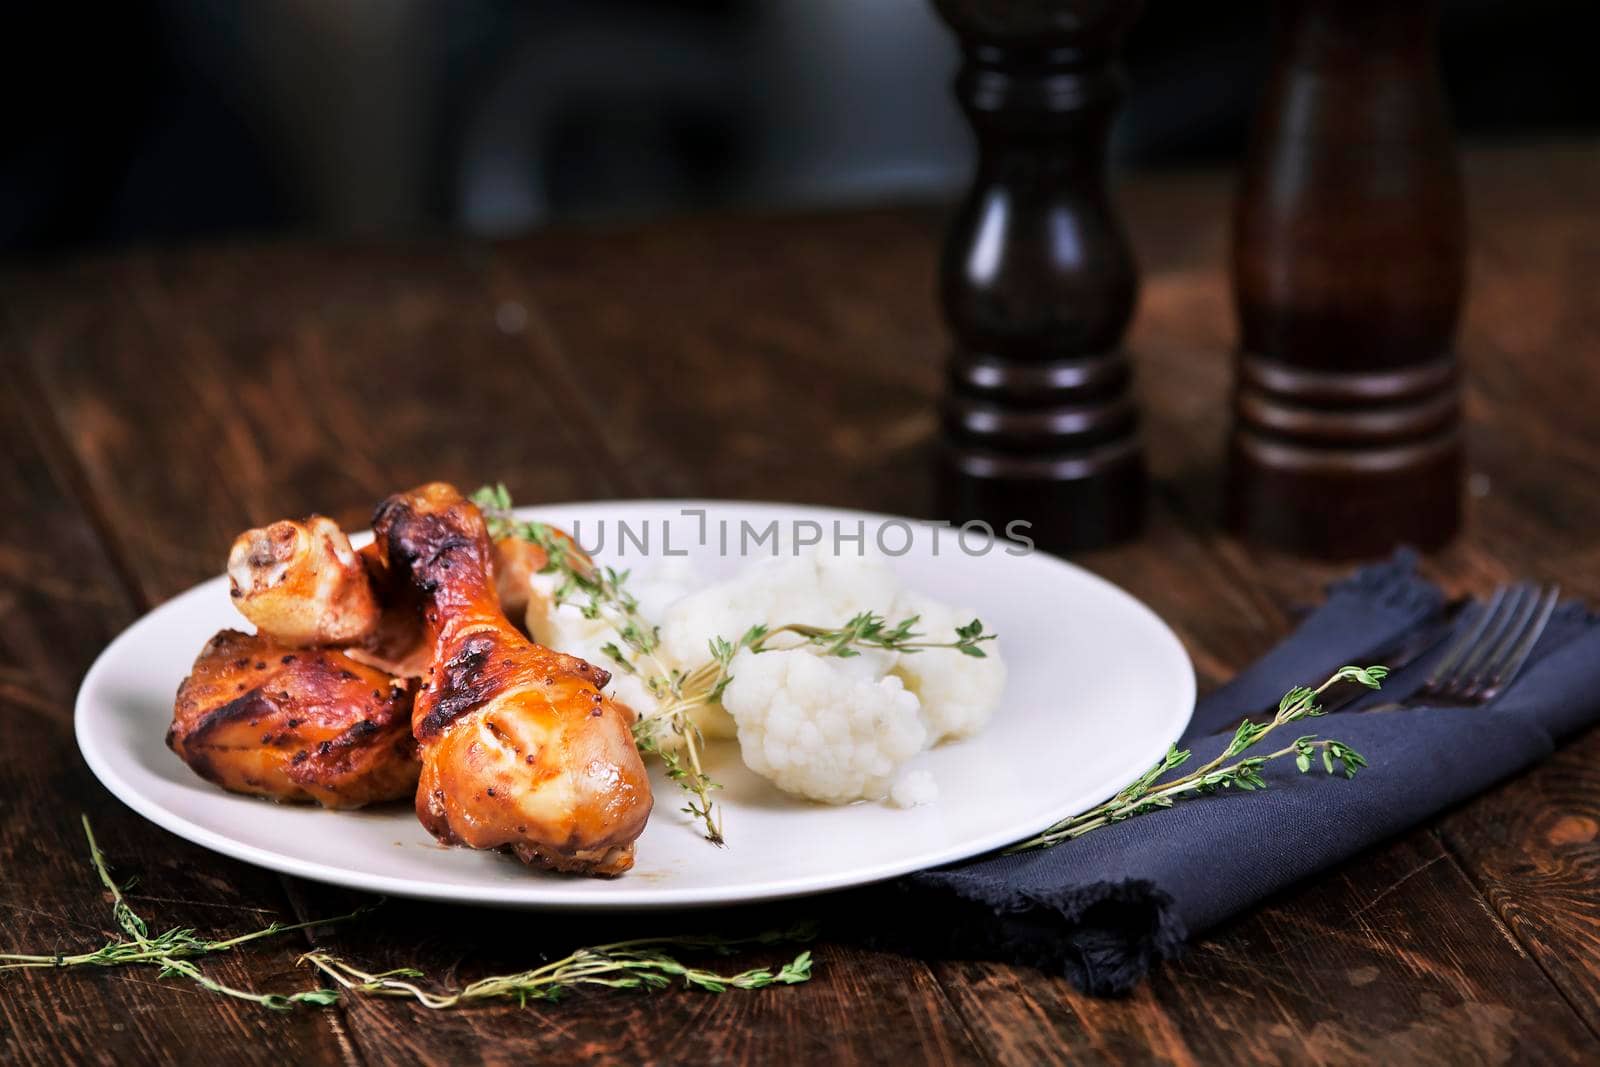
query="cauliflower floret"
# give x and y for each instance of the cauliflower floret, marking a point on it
(668, 581)
(813, 589)
(958, 693)
(914, 788)
(815, 730)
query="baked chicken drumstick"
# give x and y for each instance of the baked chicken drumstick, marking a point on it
(520, 747)
(280, 713)
(256, 716)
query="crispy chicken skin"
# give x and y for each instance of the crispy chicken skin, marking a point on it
(520, 747)
(302, 584)
(256, 716)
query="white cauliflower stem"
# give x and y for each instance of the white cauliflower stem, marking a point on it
(818, 731)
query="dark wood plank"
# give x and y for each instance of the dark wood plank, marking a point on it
(797, 358)
(860, 1007)
(1338, 971)
(1533, 846)
(60, 602)
(740, 356)
(362, 370)
(206, 392)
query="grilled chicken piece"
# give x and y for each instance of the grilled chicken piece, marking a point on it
(515, 562)
(302, 584)
(256, 716)
(520, 748)
(396, 643)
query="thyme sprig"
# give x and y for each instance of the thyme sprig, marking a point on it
(1148, 793)
(641, 964)
(172, 951)
(601, 593)
(871, 630)
(706, 683)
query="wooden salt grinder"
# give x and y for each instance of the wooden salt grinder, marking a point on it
(1038, 282)
(1349, 269)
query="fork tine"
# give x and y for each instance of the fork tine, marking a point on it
(1446, 666)
(1504, 626)
(1517, 652)
(1518, 615)
(1453, 678)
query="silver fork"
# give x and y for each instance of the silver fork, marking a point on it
(1488, 655)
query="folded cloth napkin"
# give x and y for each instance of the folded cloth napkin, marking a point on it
(1106, 907)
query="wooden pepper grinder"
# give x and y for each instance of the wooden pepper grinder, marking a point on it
(1349, 268)
(1038, 282)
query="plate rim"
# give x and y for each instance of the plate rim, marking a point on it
(644, 898)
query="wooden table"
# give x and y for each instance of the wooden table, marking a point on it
(157, 402)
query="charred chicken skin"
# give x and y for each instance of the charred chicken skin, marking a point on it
(261, 717)
(520, 747)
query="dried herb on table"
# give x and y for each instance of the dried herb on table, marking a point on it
(643, 964)
(172, 951)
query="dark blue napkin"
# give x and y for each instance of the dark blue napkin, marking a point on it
(1105, 908)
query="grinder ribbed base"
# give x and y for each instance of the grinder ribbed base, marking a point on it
(1345, 464)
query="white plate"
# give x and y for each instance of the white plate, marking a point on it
(1098, 687)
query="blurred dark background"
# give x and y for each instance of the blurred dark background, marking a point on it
(168, 120)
